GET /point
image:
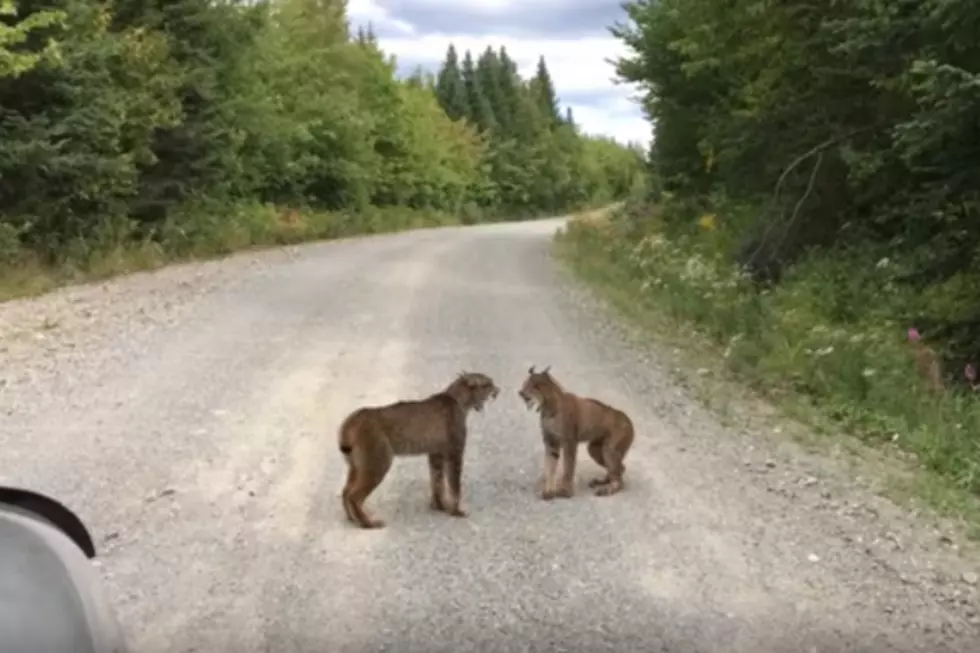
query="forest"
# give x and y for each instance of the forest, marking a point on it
(812, 208)
(133, 132)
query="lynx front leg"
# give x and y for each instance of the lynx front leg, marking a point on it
(551, 454)
(567, 486)
(437, 480)
(454, 473)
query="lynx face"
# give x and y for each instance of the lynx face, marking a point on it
(533, 390)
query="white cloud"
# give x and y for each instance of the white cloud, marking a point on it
(486, 7)
(601, 122)
(579, 67)
(362, 12)
(583, 17)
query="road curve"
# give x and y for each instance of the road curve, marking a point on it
(189, 416)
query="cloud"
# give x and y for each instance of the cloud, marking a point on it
(565, 18)
(570, 34)
(364, 12)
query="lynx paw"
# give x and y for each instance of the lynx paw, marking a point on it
(609, 490)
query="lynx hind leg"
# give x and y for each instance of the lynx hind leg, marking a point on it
(347, 487)
(437, 481)
(613, 451)
(595, 452)
(371, 459)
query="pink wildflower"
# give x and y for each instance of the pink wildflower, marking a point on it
(914, 334)
(970, 372)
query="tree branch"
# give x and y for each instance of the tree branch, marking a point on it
(816, 150)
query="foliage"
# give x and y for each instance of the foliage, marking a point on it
(823, 125)
(813, 193)
(789, 342)
(169, 126)
(539, 161)
(12, 62)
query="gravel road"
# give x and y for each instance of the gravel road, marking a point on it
(189, 416)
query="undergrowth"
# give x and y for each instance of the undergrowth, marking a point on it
(825, 336)
(197, 232)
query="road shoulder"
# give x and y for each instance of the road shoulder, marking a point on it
(830, 481)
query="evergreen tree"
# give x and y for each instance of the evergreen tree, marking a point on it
(488, 81)
(189, 122)
(16, 31)
(511, 86)
(481, 112)
(451, 89)
(76, 127)
(529, 122)
(198, 156)
(423, 79)
(537, 160)
(365, 36)
(543, 90)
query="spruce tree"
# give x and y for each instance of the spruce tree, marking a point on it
(422, 78)
(480, 103)
(487, 85)
(208, 43)
(450, 88)
(506, 83)
(544, 94)
(366, 36)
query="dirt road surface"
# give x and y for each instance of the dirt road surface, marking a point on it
(189, 416)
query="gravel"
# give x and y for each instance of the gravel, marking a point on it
(189, 416)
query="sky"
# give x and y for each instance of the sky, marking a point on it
(571, 34)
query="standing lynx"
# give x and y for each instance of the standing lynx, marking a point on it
(568, 420)
(371, 437)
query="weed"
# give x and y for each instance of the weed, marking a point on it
(824, 342)
(196, 231)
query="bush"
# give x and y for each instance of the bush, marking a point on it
(827, 332)
(130, 135)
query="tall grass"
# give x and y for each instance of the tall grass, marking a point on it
(196, 232)
(827, 333)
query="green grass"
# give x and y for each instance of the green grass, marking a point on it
(199, 233)
(849, 381)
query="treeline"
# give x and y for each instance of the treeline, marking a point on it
(198, 125)
(852, 128)
(536, 156)
(814, 205)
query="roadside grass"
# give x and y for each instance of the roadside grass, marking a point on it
(198, 233)
(847, 386)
